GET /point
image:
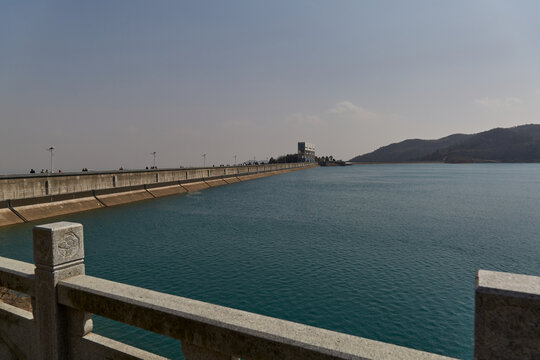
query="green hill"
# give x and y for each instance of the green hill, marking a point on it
(517, 144)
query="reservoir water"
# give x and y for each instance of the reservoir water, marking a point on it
(386, 252)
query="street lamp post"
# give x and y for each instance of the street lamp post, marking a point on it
(154, 153)
(234, 159)
(51, 151)
(204, 160)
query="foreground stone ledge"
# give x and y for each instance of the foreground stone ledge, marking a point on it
(220, 329)
(507, 316)
(507, 284)
(60, 326)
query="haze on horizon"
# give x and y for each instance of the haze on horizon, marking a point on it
(109, 82)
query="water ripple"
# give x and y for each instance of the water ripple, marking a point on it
(384, 252)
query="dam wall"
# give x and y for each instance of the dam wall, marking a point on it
(39, 185)
(32, 197)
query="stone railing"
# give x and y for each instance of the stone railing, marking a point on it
(64, 299)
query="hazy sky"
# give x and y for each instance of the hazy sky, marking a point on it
(109, 82)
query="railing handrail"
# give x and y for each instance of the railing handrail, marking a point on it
(17, 275)
(507, 325)
(515, 285)
(219, 328)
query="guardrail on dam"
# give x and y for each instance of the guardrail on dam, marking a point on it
(32, 197)
(63, 297)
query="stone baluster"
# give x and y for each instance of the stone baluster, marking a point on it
(58, 255)
(507, 316)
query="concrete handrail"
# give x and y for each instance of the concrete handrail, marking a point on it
(507, 316)
(17, 275)
(220, 329)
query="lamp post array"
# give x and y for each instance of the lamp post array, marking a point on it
(154, 153)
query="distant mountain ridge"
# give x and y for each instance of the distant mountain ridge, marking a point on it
(516, 144)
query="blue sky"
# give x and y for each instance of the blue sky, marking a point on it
(109, 82)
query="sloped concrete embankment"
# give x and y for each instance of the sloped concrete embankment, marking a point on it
(8, 217)
(57, 208)
(167, 190)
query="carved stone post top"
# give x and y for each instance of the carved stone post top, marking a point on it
(58, 243)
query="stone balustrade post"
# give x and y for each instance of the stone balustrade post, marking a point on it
(507, 316)
(58, 255)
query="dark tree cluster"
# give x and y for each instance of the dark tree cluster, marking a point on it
(289, 158)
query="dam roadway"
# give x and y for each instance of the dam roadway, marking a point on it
(25, 198)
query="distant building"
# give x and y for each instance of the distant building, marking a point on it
(306, 152)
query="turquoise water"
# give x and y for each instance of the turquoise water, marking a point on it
(386, 252)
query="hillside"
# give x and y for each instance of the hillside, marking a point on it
(517, 144)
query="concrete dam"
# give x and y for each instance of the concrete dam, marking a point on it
(25, 198)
